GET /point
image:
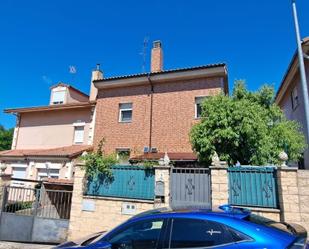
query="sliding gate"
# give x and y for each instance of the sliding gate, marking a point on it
(34, 215)
(190, 187)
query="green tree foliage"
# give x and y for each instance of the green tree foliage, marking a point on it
(98, 163)
(247, 127)
(6, 137)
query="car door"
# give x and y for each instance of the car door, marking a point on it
(188, 233)
(139, 235)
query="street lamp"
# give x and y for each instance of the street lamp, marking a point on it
(301, 57)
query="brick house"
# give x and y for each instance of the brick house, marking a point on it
(47, 139)
(142, 116)
(290, 96)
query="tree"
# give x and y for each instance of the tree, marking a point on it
(6, 137)
(247, 127)
(97, 162)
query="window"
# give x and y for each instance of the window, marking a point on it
(125, 112)
(193, 233)
(294, 98)
(19, 172)
(58, 97)
(123, 155)
(140, 235)
(48, 173)
(198, 106)
(78, 134)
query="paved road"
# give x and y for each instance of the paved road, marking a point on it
(12, 245)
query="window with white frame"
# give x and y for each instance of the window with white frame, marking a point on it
(58, 97)
(125, 112)
(198, 106)
(78, 134)
(294, 98)
(48, 173)
(123, 155)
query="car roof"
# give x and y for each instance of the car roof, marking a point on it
(224, 210)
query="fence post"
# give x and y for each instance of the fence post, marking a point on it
(219, 183)
(288, 194)
(77, 199)
(5, 180)
(162, 174)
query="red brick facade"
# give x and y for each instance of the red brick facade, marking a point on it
(173, 114)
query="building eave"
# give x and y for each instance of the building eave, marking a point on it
(214, 70)
(51, 107)
(290, 72)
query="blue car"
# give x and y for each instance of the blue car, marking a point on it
(229, 227)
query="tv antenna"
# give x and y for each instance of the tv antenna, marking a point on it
(144, 53)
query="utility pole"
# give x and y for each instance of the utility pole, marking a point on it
(302, 71)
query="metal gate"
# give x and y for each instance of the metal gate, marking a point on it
(190, 187)
(34, 215)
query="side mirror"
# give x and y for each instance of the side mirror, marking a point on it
(104, 245)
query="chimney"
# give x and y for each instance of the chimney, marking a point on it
(156, 57)
(97, 74)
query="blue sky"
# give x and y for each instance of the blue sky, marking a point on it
(41, 39)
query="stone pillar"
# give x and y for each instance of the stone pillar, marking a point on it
(303, 188)
(219, 184)
(77, 200)
(162, 174)
(288, 194)
(5, 180)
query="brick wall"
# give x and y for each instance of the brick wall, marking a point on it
(173, 115)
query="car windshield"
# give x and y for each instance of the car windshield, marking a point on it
(93, 239)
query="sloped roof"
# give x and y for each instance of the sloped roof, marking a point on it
(163, 72)
(70, 87)
(284, 83)
(50, 107)
(67, 152)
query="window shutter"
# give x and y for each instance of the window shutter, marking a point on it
(79, 135)
(58, 96)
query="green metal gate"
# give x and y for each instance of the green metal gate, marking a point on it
(254, 186)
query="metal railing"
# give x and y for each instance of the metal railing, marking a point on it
(254, 186)
(38, 202)
(127, 181)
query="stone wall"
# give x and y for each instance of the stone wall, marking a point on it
(95, 214)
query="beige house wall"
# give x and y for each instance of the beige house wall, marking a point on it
(41, 130)
(298, 113)
(76, 97)
(65, 167)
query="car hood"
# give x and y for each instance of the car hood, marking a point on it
(81, 242)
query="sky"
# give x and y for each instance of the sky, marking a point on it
(40, 40)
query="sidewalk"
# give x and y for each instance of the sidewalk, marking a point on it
(14, 245)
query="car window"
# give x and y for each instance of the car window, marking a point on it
(140, 235)
(194, 233)
(237, 236)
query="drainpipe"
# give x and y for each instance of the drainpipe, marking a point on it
(151, 110)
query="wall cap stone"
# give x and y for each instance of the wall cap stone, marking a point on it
(287, 168)
(161, 167)
(218, 167)
(116, 199)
